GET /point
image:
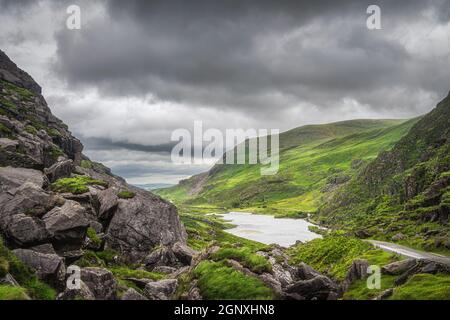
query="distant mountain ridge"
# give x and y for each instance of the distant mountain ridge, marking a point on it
(312, 158)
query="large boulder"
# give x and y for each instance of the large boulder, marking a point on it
(142, 223)
(320, 288)
(67, 225)
(14, 177)
(358, 270)
(161, 257)
(107, 203)
(83, 293)
(27, 198)
(61, 169)
(161, 290)
(25, 230)
(305, 272)
(398, 267)
(100, 282)
(183, 253)
(48, 267)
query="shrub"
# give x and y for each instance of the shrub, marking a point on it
(76, 185)
(31, 130)
(12, 293)
(126, 272)
(126, 194)
(94, 236)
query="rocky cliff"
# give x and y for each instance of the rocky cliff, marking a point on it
(54, 202)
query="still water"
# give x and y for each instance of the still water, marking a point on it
(266, 229)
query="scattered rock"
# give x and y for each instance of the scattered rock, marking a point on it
(398, 267)
(132, 294)
(319, 288)
(398, 237)
(183, 253)
(161, 290)
(160, 257)
(100, 282)
(357, 271)
(385, 294)
(84, 293)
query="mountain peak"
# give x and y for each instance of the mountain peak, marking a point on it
(11, 73)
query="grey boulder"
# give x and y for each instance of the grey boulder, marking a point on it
(132, 294)
(161, 290)
(100, 282)
(67, 225)
(142, 223)
(48, 267)
(61, 169)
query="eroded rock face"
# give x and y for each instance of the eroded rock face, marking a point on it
(142, 223)
(37, 149)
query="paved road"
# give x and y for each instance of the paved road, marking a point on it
(408, 252)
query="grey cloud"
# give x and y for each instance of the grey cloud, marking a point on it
(221, 54)
(108, 144)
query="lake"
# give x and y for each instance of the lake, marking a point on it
(266, 229)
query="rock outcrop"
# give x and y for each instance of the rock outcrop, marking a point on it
(52, 196)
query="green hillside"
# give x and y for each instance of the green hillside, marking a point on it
(404, 194)
(314, 161)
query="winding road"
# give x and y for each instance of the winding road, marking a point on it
(408, 252)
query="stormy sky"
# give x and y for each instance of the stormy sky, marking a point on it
(137, 70)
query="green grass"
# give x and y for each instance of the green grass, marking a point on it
(76, 185)
(93, 236)
(246, 257)
(28, 280)
(12, 293)
(359, 290)
(52, 132)
(31, 130)
(219, 282)
(101, 259)
(424, 287)
(334, 254)
(5, 131)
(126, 194)
(21, 92)
(125, 272)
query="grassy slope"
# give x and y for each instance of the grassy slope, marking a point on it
(403, 195)
(310, 158)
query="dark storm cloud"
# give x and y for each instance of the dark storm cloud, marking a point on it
(108, 144)
(225, 54)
